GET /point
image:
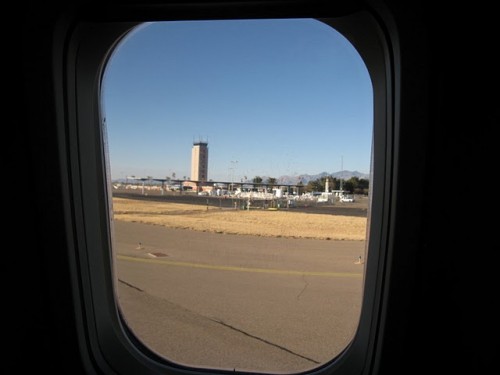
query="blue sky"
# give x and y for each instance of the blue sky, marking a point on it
(271, 98)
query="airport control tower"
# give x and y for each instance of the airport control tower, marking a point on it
(199, 161)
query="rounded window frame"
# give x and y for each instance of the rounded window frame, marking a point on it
(84, 47)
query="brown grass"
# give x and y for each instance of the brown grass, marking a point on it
(254, 222)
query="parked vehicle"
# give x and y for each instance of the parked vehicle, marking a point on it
(347, 198)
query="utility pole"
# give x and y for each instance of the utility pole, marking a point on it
(233, 166)
(341, 172)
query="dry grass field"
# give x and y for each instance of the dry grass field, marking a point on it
(278, 223)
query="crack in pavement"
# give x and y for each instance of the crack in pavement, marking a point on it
(130, 285)
(264, 341)
(306, 284)
(234, 328)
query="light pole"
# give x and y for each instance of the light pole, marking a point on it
(341, 173)
(232, 169)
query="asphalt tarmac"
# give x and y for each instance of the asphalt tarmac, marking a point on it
(208, 300)
(358, 208)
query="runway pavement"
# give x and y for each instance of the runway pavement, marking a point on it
(358, 208)
(238, 302)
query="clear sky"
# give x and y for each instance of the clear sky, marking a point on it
(271, 98)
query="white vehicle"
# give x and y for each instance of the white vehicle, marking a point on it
(347, 198)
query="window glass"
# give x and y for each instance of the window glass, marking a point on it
(239, 154)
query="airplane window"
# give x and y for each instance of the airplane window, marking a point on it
(239, 154)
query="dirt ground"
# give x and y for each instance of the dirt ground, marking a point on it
(339, 221)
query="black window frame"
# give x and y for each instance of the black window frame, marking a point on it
(84, 41)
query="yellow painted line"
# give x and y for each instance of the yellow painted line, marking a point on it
(239, 269)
